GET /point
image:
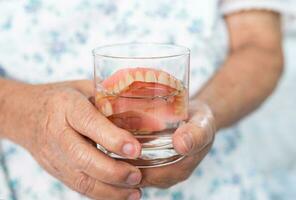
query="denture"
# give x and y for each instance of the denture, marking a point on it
(143, 100)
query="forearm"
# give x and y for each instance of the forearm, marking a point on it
(252, 69)
(247, 78)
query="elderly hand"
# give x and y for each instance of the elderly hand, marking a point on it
(193, 140)
(57, 124)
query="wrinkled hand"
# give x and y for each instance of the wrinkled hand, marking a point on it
(194, 140)
(60, 125)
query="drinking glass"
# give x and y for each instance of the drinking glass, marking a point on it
(143, 88)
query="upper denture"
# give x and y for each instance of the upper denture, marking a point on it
(143, 82)
(125, 78)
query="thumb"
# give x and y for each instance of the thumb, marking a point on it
(195, 135)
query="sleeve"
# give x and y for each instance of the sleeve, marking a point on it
(2, 71)
(281, 6)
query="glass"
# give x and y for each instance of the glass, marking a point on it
(143, 88)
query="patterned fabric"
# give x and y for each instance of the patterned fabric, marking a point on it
(282, 6)
(46, 41)
(2, 72)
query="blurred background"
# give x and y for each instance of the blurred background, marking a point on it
(41, 41)
(271, 130)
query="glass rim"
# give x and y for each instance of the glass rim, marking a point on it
(183, 51)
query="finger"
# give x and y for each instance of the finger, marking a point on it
(87, 120)
(101, 191)
(190, 139)
(87, 185)
(197, 133)
(88, 159)
(164, 177)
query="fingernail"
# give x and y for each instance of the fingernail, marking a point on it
(134, 178)
(134, 196)
(187, 138)
(128, 149)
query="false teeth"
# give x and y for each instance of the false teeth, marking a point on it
(150, 77)
(163, 78)
(128, 79)
(139, 76)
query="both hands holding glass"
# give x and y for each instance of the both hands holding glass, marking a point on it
(137, 128)
(140, 122)
(143, 88)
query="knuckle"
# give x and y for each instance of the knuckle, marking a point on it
(88, 119)
(80, 156)
(84, 184)
(58, 99)
(62, 134)
(59, 96)
(116, 174)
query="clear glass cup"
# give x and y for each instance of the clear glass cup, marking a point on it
(143, 88)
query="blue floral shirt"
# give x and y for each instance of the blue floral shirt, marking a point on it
(46, 41)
